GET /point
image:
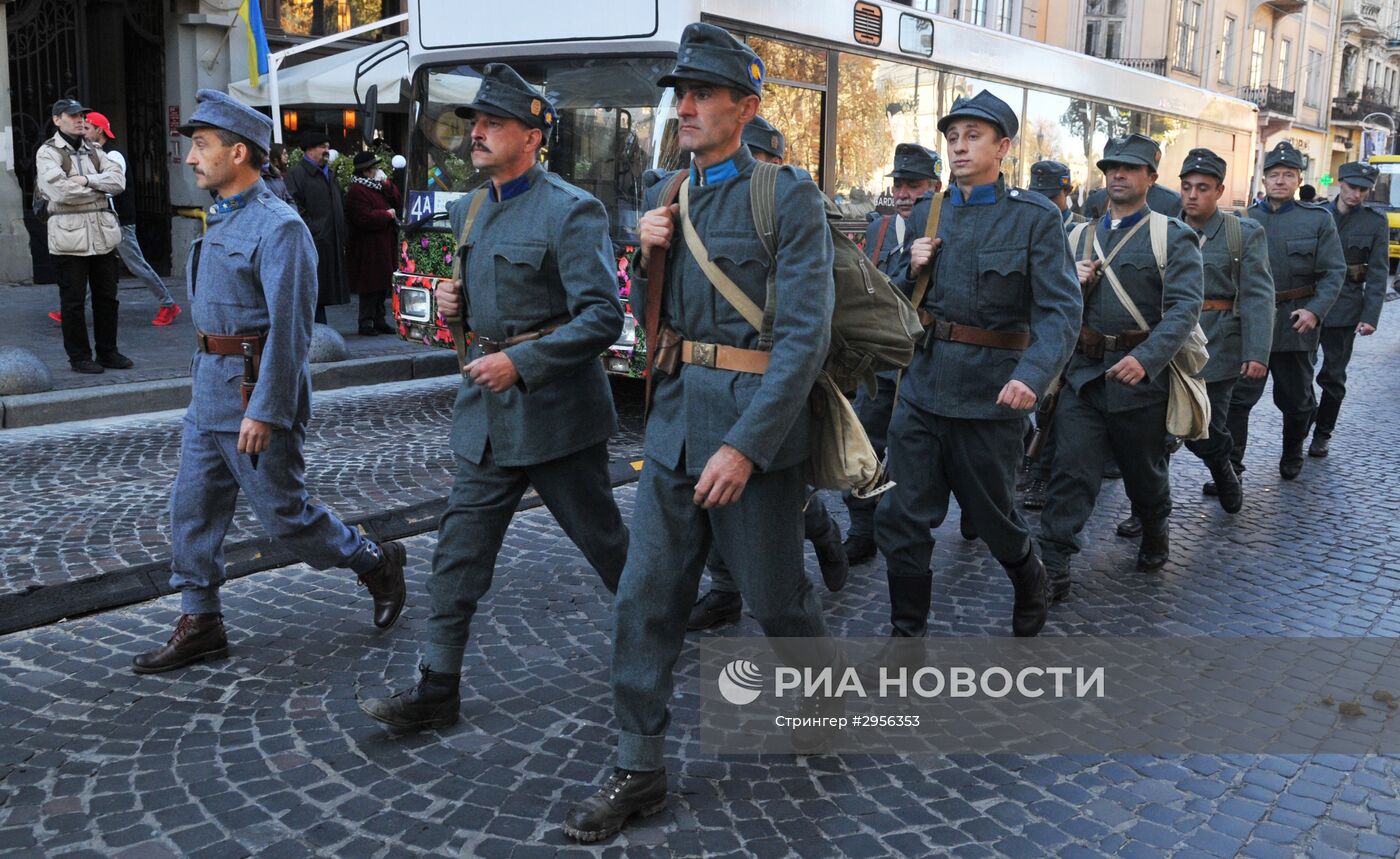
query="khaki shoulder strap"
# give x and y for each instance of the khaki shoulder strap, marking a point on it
(1078, 233)
(1234, 240)
(455, 324)
(763, 201)
(935, 212)
(1157, 230)
(718, 279)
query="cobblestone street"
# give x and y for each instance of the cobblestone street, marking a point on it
(267, 753)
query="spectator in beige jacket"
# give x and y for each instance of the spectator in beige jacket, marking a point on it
(76, 179)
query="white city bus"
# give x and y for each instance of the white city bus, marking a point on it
(846, 81)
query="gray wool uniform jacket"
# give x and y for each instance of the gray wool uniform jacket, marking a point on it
(765, 417)
(1303, 251)
(539, 256)
(1246, 333)
(1169, 301)
(1003, 266)
(253, 271)
(1365, 238)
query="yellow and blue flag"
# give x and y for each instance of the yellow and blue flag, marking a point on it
(257, 41)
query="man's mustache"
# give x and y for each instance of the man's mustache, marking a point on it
(479, 147)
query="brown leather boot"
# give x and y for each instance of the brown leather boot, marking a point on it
(197, 637)
(385, 583)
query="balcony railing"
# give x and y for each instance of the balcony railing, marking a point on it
(1371, 100)
(1364, 19)
(1156, 66)
(1271, 99)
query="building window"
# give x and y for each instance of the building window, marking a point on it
(1312, 93)
(1004, 16)
(977, 12)
(1227, 50)
(1188, 25)
(1285, 63)
(1103, 30)
(324, 17)
(1256, 59)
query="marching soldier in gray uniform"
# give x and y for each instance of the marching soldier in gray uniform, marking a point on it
(252, 287)
(729, 422)
(1000, 306)
(1160, 198)
(1305, 257)
(887, 239)
(1365, 237)
(538, 288)
(1237, 314)
(723, 603)
(1114, 402)
(1052, 180)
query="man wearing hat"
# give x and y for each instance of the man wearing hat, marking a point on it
(322, 205)
(537, 286)
(1237, 313)
(723, 603)
(887, 239)
(1160, 198)
(252, 293)
(1050, 179)
(76, 178)
(727, 435)
(1365, 238)
(372, 203)
(1114, 401)
(1305, 257)
(995, 289)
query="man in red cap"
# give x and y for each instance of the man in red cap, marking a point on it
(100, 134)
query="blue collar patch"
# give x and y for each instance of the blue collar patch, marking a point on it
(1267, 206)
(514, 188)
(1126, 223)
(982, 195)
(234, 203)
(715, 173)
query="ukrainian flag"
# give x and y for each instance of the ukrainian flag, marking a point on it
(257, 41)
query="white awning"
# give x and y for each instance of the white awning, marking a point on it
(330, 81)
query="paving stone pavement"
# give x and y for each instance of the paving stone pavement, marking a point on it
(91, 498)
(267, 754)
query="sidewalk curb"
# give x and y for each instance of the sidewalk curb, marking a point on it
(77, 404)
(43, 605)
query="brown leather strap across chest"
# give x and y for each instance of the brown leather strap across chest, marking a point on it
(229, 344)
(1093, 345)
(956, 332)
(1294, 294)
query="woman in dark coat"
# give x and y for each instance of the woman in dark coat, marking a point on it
(372, 255)
(322, 207)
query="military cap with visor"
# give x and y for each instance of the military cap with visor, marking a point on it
(760, 134)
(505, 93)
(1050, 178)
(708, 53)
(1205, 162)
(1285, 154)
(67, 107)
(1134, 150)
(983, 106)
(912, 161)
(214, 109)
(1360, 174)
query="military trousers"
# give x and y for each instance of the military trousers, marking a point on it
(1336, 346)
(933, 457)
(212, 472)
(1089, 434)
(1218, 444)
(760, 535)
(874, 413)
(816, 527)
(1292, 373)
(574, 488)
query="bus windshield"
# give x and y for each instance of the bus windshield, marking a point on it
(1386, 194)
(606, 137)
